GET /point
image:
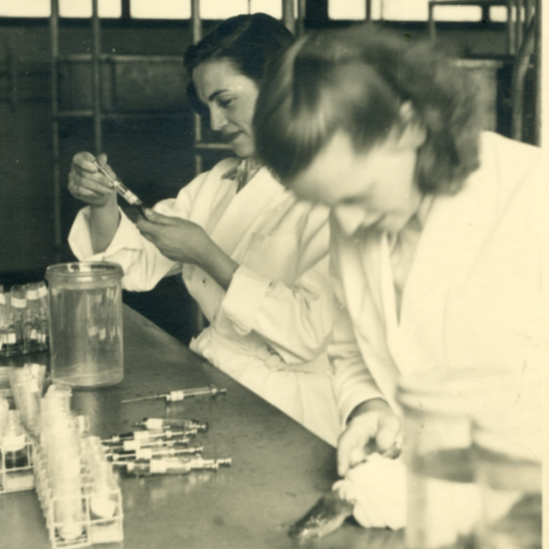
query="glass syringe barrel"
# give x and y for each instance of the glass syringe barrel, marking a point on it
(129, 445)
(158, 423)
(175, 466)
(148, 435)
(146, 454)
(122, 190)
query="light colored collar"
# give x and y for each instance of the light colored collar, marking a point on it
(424, 208)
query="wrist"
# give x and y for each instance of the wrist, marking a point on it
(373, 404)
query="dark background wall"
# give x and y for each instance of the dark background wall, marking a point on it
(154, 156)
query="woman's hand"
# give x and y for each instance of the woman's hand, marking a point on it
(86, 183)
(373, 427)
(186, 242)
(178, 239)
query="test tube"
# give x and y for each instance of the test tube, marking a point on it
(4, 407)
(61, 443)
(14, 450)
(26, 394)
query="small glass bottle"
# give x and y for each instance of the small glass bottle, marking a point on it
(31, 319)
(12, 342)
(43, 316)
(18, 311)
(3, 320)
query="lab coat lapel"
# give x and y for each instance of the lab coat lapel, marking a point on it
(245, 210)
(451, 240)
(380, 326)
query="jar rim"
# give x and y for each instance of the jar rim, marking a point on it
(84, 269)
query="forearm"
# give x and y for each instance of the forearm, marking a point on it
(217, 264)
(104, 221)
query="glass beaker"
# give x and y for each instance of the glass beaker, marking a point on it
(508, 451)
(443, 500)
(86, 323)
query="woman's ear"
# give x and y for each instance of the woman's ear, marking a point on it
(411, 131)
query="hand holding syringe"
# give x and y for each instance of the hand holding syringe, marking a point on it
(122, 190)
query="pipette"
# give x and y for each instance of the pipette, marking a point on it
(159, 423)
(146, 454)
(177, 466)
(122, 190)
(148, 435)
(174, 396)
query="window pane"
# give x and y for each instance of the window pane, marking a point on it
(353, 9)
(28, 8)
(160, 9)
(408, 10)
(271, 7)
(458, 13)
(498, 13)
(83, 8)
(221, 9)
(348, 9)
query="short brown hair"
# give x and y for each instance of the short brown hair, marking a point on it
(355, 80)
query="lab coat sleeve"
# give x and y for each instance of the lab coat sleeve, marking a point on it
(353, 382)
(143, 264)
(293, 318)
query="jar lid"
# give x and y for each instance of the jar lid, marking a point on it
(84, 274)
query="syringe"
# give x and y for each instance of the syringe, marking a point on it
(146, 454)
(174, 396)
(145, 436)
(159, 423)
(175, 466)
(122, 190)
(137, 444)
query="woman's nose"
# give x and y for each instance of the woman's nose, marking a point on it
(351, 218)
(217, 119)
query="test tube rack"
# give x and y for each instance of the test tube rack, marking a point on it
(94, 529)
(17, 479)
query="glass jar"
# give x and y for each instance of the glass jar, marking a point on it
(508, 455)
(85, 302)
(443, 500)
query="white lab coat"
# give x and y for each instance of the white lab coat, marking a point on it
(475, 295)
(270, 330)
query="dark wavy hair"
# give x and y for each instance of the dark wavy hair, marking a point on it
(252, 43)
(356, 80)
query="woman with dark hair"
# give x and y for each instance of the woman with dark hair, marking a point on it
(437, 245)
(254, 258)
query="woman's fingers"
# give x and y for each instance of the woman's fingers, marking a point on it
(371, 431)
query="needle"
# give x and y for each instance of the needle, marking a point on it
(181, 394)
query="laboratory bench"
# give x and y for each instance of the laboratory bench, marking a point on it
(279, 469)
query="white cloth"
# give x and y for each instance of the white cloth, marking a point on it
(377, 489)
(476, 293)
(270, 330)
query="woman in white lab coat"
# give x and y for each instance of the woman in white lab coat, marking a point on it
(253, 257)
(439, 240)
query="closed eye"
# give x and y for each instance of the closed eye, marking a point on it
(225, 102)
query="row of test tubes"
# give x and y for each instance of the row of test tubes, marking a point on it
(24, 319)
(19, 427)
(75, 482)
